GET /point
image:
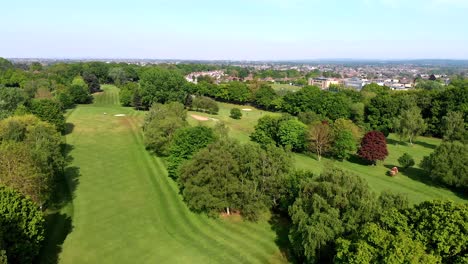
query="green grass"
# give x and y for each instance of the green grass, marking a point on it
(412, 182)
(239, 129)
(126, 210)
(285, 87)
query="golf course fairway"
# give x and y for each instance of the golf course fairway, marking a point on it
(124, 208)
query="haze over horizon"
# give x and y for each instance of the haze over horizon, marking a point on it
(244, 30)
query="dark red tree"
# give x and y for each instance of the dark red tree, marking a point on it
(373, 147)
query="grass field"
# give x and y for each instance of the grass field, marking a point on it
(285, 87)
(124, 208)
(411, 182)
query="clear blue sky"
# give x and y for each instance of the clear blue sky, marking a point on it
(235, 29)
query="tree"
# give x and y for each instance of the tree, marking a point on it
(406, 161)
(118, 75)
(320, 138)
(442, 227)
(22, 224)
(292, 133)
(79, 91)
(49, 110)
(30, 156)
(309, 117)
(411, 123)
(185, 143)
(344, 145)
(161, 123)
(453, 126)
(266, 130)
(373, 244)
(92, 81)
(227, 176)
(160, 85)
(447, 164)
(10, 99)
(209, 180)
(335, 203)
(205, 104)
(373, 147)
(127, 92)
(236, 113)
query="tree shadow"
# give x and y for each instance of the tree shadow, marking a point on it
(395, 142)
(68, 128)
(358, 160)
(281, 226)
(425, 144)
(58, 223)
(58, 226)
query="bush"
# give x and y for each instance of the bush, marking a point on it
(236, 113)
(406, 161)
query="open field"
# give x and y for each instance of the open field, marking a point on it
(285, 87)
(412, 182)
(126, 210)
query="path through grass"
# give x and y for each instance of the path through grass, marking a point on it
(126, 209)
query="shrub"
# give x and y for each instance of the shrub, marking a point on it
(406, 161)
(236, 113)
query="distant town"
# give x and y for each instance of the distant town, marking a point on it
(326, 74)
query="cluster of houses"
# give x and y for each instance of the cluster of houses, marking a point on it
(217, 76)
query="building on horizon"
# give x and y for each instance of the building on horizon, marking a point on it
(323, 83)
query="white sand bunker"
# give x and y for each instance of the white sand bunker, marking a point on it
(200, 118)
(119, 115)
(246, 109)
(214, 119)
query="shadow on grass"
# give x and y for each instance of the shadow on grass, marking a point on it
(58, 214)
(58, 226)
(68, 128)
(425, 144)
(358, 160)
(281, 225)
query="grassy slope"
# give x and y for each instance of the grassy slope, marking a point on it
(126, 210)
(411, 182)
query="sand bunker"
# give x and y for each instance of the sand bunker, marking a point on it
(246, 109)
(119, 115)
(200, 118)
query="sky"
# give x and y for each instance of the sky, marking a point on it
(235, 29)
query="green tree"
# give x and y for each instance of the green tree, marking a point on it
(209, 180)
(22, 224)
(161, 123)
(49, 110)
(406, 161)
(335, 203)
(235, 113)
(454, 127)
(186, 142)
(411, 123)
(373, 244)
(127, 92)
(447, 164)
(30, 156)
(160, 85)
(344, 144)
(205, 104)
(292, 133)
(10, 99)
(118, 75)
(442, 227)
(79, 91)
